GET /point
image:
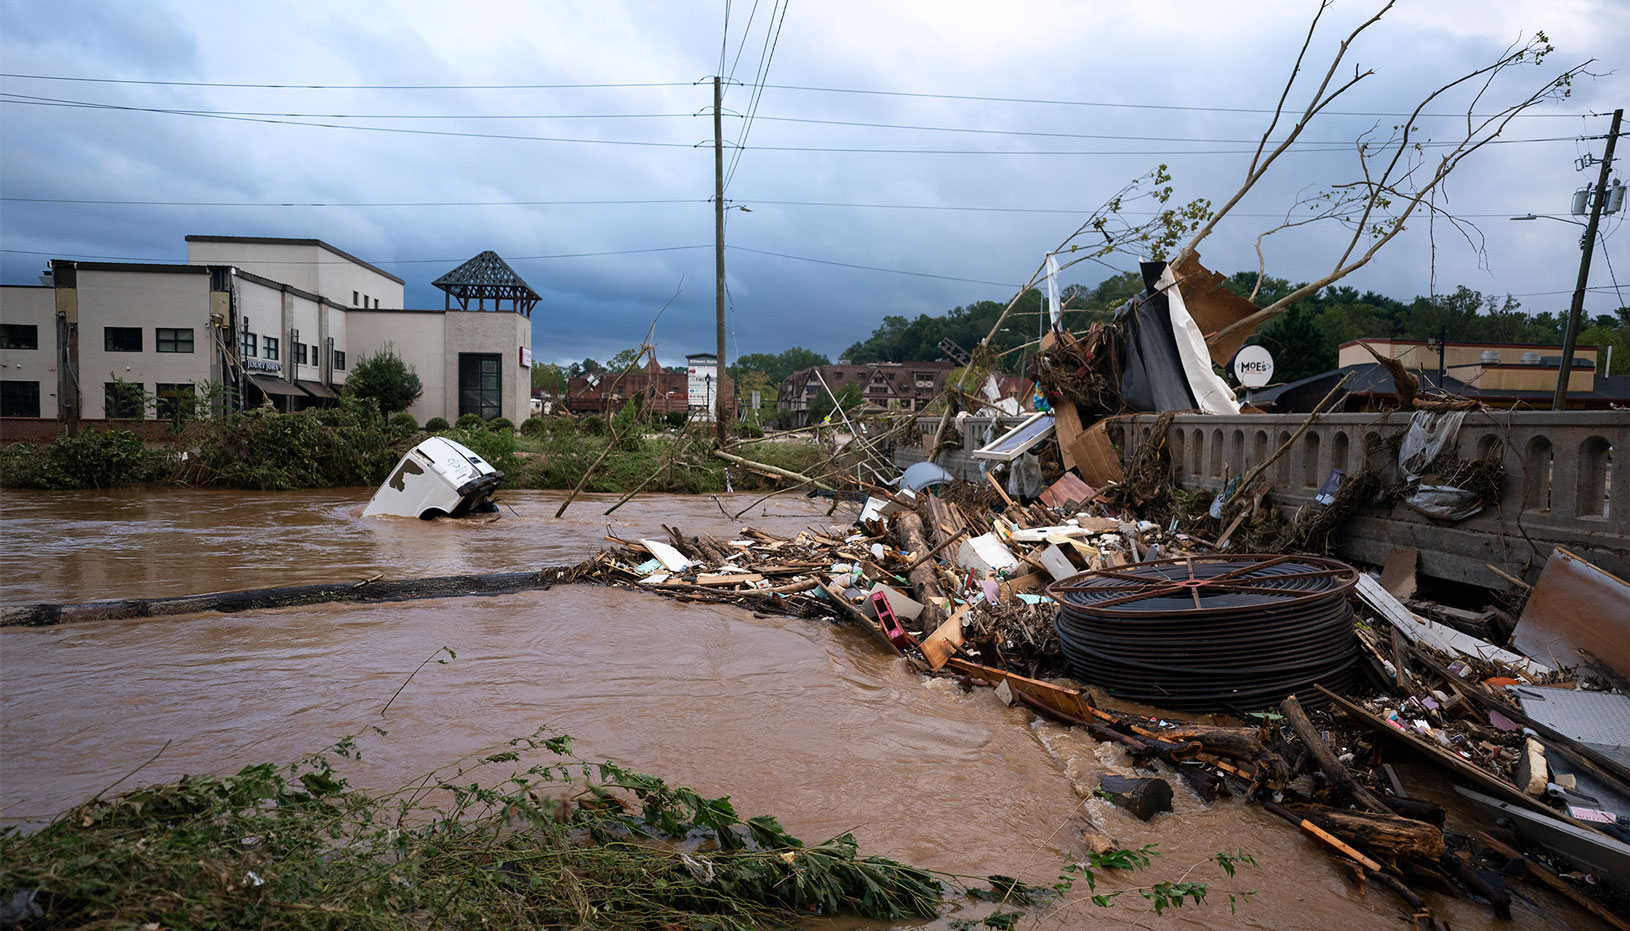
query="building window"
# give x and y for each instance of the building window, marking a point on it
(480, 385)
(365, 301)
(173, 340)
(122, 400)
(315, 358)
(299, 353)
(353, 298)
(249, 344)
(220, 279)
(376, 303)
(174, 401)
(121, 338)
(268, 349)
(19, 336)
(339, 359)
(19, 399)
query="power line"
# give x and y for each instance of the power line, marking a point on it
(1137, 106)
(303, 262)
(1301, 147)
(870, 268)
(20, 100)
(350, 87)
(793, 87)
(404, 203)
(757, 95)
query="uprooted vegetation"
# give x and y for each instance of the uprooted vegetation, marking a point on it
(561, 843)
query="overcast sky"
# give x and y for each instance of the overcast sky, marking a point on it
(441, 173)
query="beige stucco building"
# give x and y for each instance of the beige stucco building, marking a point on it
(248, 321)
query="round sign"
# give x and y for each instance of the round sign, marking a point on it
(1253, 366)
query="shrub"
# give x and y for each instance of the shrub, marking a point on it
(495, 446)
(385, 378)
(498, 424)
(436, 425)
(404, 423)
(592, 425)
(533, 426)
(752, 430)
(316, 448)
(93, 459)
(470, 422)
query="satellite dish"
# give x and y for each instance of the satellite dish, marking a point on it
(1253, 366)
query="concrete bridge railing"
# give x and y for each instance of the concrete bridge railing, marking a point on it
(1566, 481)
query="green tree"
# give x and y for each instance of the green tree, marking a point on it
(549, 377)
(849, 398)
(387, 379)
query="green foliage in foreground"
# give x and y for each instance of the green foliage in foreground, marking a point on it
(562, 843)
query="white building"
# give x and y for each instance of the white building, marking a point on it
(268, 320)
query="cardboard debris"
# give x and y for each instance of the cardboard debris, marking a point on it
(1095, 457)
(1067, 425)
(1213, 307)
(942, 644)
(1398, 575)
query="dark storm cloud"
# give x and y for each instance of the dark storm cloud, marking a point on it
(596, 305)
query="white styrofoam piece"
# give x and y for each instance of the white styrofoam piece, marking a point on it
(672, 559)
(873, 510)
(1058, 565)
(985, 553)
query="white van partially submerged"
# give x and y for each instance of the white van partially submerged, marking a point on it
(437, 478)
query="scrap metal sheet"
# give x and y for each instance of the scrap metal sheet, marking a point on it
(1574, 606)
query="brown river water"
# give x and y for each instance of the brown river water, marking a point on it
(803, 719)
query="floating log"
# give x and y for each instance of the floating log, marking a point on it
(1240, 743)
(1385, 835)
(1144, 796)
(1493, 890)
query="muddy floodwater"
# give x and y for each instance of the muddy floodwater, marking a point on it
(804, 719)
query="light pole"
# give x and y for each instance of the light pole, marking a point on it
(1589, 246)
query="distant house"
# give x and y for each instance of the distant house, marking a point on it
(893, 385)
(661, 391)
(1500, 375)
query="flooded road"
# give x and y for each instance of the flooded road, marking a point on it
(802, 719)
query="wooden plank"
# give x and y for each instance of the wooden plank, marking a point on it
(728, 578)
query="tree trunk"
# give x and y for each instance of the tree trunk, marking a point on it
(925, 585)
(1383, 836)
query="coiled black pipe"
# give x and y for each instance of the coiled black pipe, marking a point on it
(1211, 633)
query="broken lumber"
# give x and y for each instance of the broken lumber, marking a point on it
(1340, 777)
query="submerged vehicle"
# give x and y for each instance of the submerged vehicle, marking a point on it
(437, 478)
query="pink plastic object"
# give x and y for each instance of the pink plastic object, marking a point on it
(892, 628)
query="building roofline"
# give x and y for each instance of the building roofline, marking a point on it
(285, 241)
(1461, 343)
(46, 287)
(137, 267)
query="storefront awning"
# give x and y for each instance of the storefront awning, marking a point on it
(275, 386)
(318, 390)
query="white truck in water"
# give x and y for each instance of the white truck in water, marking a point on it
(437, 478)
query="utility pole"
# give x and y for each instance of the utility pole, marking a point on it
(718, 248)
(1578, 309)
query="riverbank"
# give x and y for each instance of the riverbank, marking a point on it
(350, 445)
